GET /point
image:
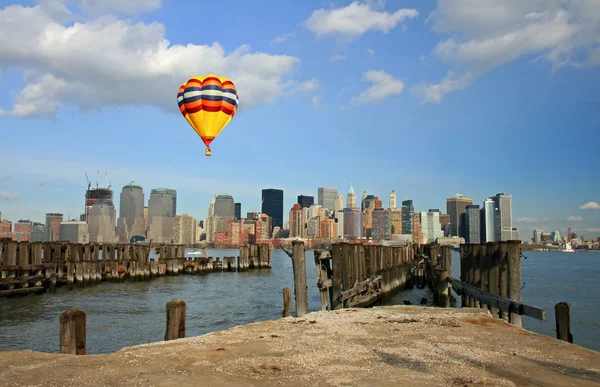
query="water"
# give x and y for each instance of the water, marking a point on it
(131, 313)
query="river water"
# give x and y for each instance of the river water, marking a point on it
(130, 313)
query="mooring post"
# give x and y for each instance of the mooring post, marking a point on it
(287, 302)
(514, 280)
(300, 287)
(72, 332)
(175, 320)
(446, 261)
(562, 312)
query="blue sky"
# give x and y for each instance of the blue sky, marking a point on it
(427, 98)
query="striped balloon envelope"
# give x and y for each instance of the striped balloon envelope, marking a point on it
(208, 103)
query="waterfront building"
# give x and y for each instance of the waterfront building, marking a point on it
(504, 229)
(339, 218)
(102, 219)
(407, 217)
(296, 222)
(488, 216)
(74, 232)
(454, 207)
(445, 221)
(272, 205)
(393, 200)
(395, 221)
(22, 230)
(430, 226)
(161, 214)
(472, 224)
(225, 206)
(238, 211)
(184, 230)
(312, 227)
(327, 228)
(351, 198)
(352, 223)
(555, 236)
(381, 224)
(131, 213)
(53, 221)
(339, 202)
(326, 197)
(306, 201)
(38, 232)
(537, 236)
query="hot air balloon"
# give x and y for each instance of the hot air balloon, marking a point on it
(208, 103)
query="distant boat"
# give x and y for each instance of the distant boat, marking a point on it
(568, 248)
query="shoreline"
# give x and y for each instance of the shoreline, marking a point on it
(395, 345)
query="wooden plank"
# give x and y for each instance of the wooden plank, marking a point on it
(361, 287)
(287, 303)
(300, 286)
(492, 300)
(336, 286)
(41, 266)
(22, 291)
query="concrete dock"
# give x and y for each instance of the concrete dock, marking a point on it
(399, 345)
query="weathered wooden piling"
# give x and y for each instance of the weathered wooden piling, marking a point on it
(300, 286)
(73, 332)
(175, 320)
(562, 312)
(287, 302)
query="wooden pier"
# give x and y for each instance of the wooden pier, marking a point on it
(40, 266)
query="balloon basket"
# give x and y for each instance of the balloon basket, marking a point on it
(208, 152)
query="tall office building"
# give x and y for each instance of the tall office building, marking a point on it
(339, 202)
(381, 224)
(131, 213)
(272, 205)
(392, 200)
(306, 201)
(184, 230)
(225, 206)
(504, 228)
(351, 198)
(326, 198)
(74, 232)
(161, 214)
(408, 211)
(238, 211)
(537, 236)
(431, 229)
(296, 221)
(488, 216)
(395, 221)
(352, 223)
(102, 222)
(53, 221)
(454, 207)
(472, 224)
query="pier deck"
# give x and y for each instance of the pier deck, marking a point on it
(399, 345)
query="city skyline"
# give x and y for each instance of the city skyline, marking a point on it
(454, 117)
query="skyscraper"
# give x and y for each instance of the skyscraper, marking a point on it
(326, 198)
(392, 200)
(272, 205)
(472, 224)
(431, 229)
(339, 202)
(131, 213)
(504, 228)
(160, 215)
(381, 224)
(352, 223)
(488, 220)
(454, 207)
(306, 201)
(238, 211)
(225, 206)
(408, 211)
(53, 221)
(351, 198)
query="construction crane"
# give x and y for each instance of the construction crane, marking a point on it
(97, 178)
(107, 181)
(88, 181)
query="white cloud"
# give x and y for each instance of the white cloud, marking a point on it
(384, 86)
(371, 51)
(575, 218)
(592, 229)
(316, 100)
(130, 7)
(281, 38)
(356, 19)
(107, 61)
(9, 196)
(489, 33)
(46, 182)
(531, 220)
(590, 206)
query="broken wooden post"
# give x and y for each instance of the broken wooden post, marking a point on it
(72, 332)
(514, 280)
(562, 312)
(300, 287)
(175, 320)
(287, 302)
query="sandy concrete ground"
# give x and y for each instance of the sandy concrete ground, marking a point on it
(388, 346)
